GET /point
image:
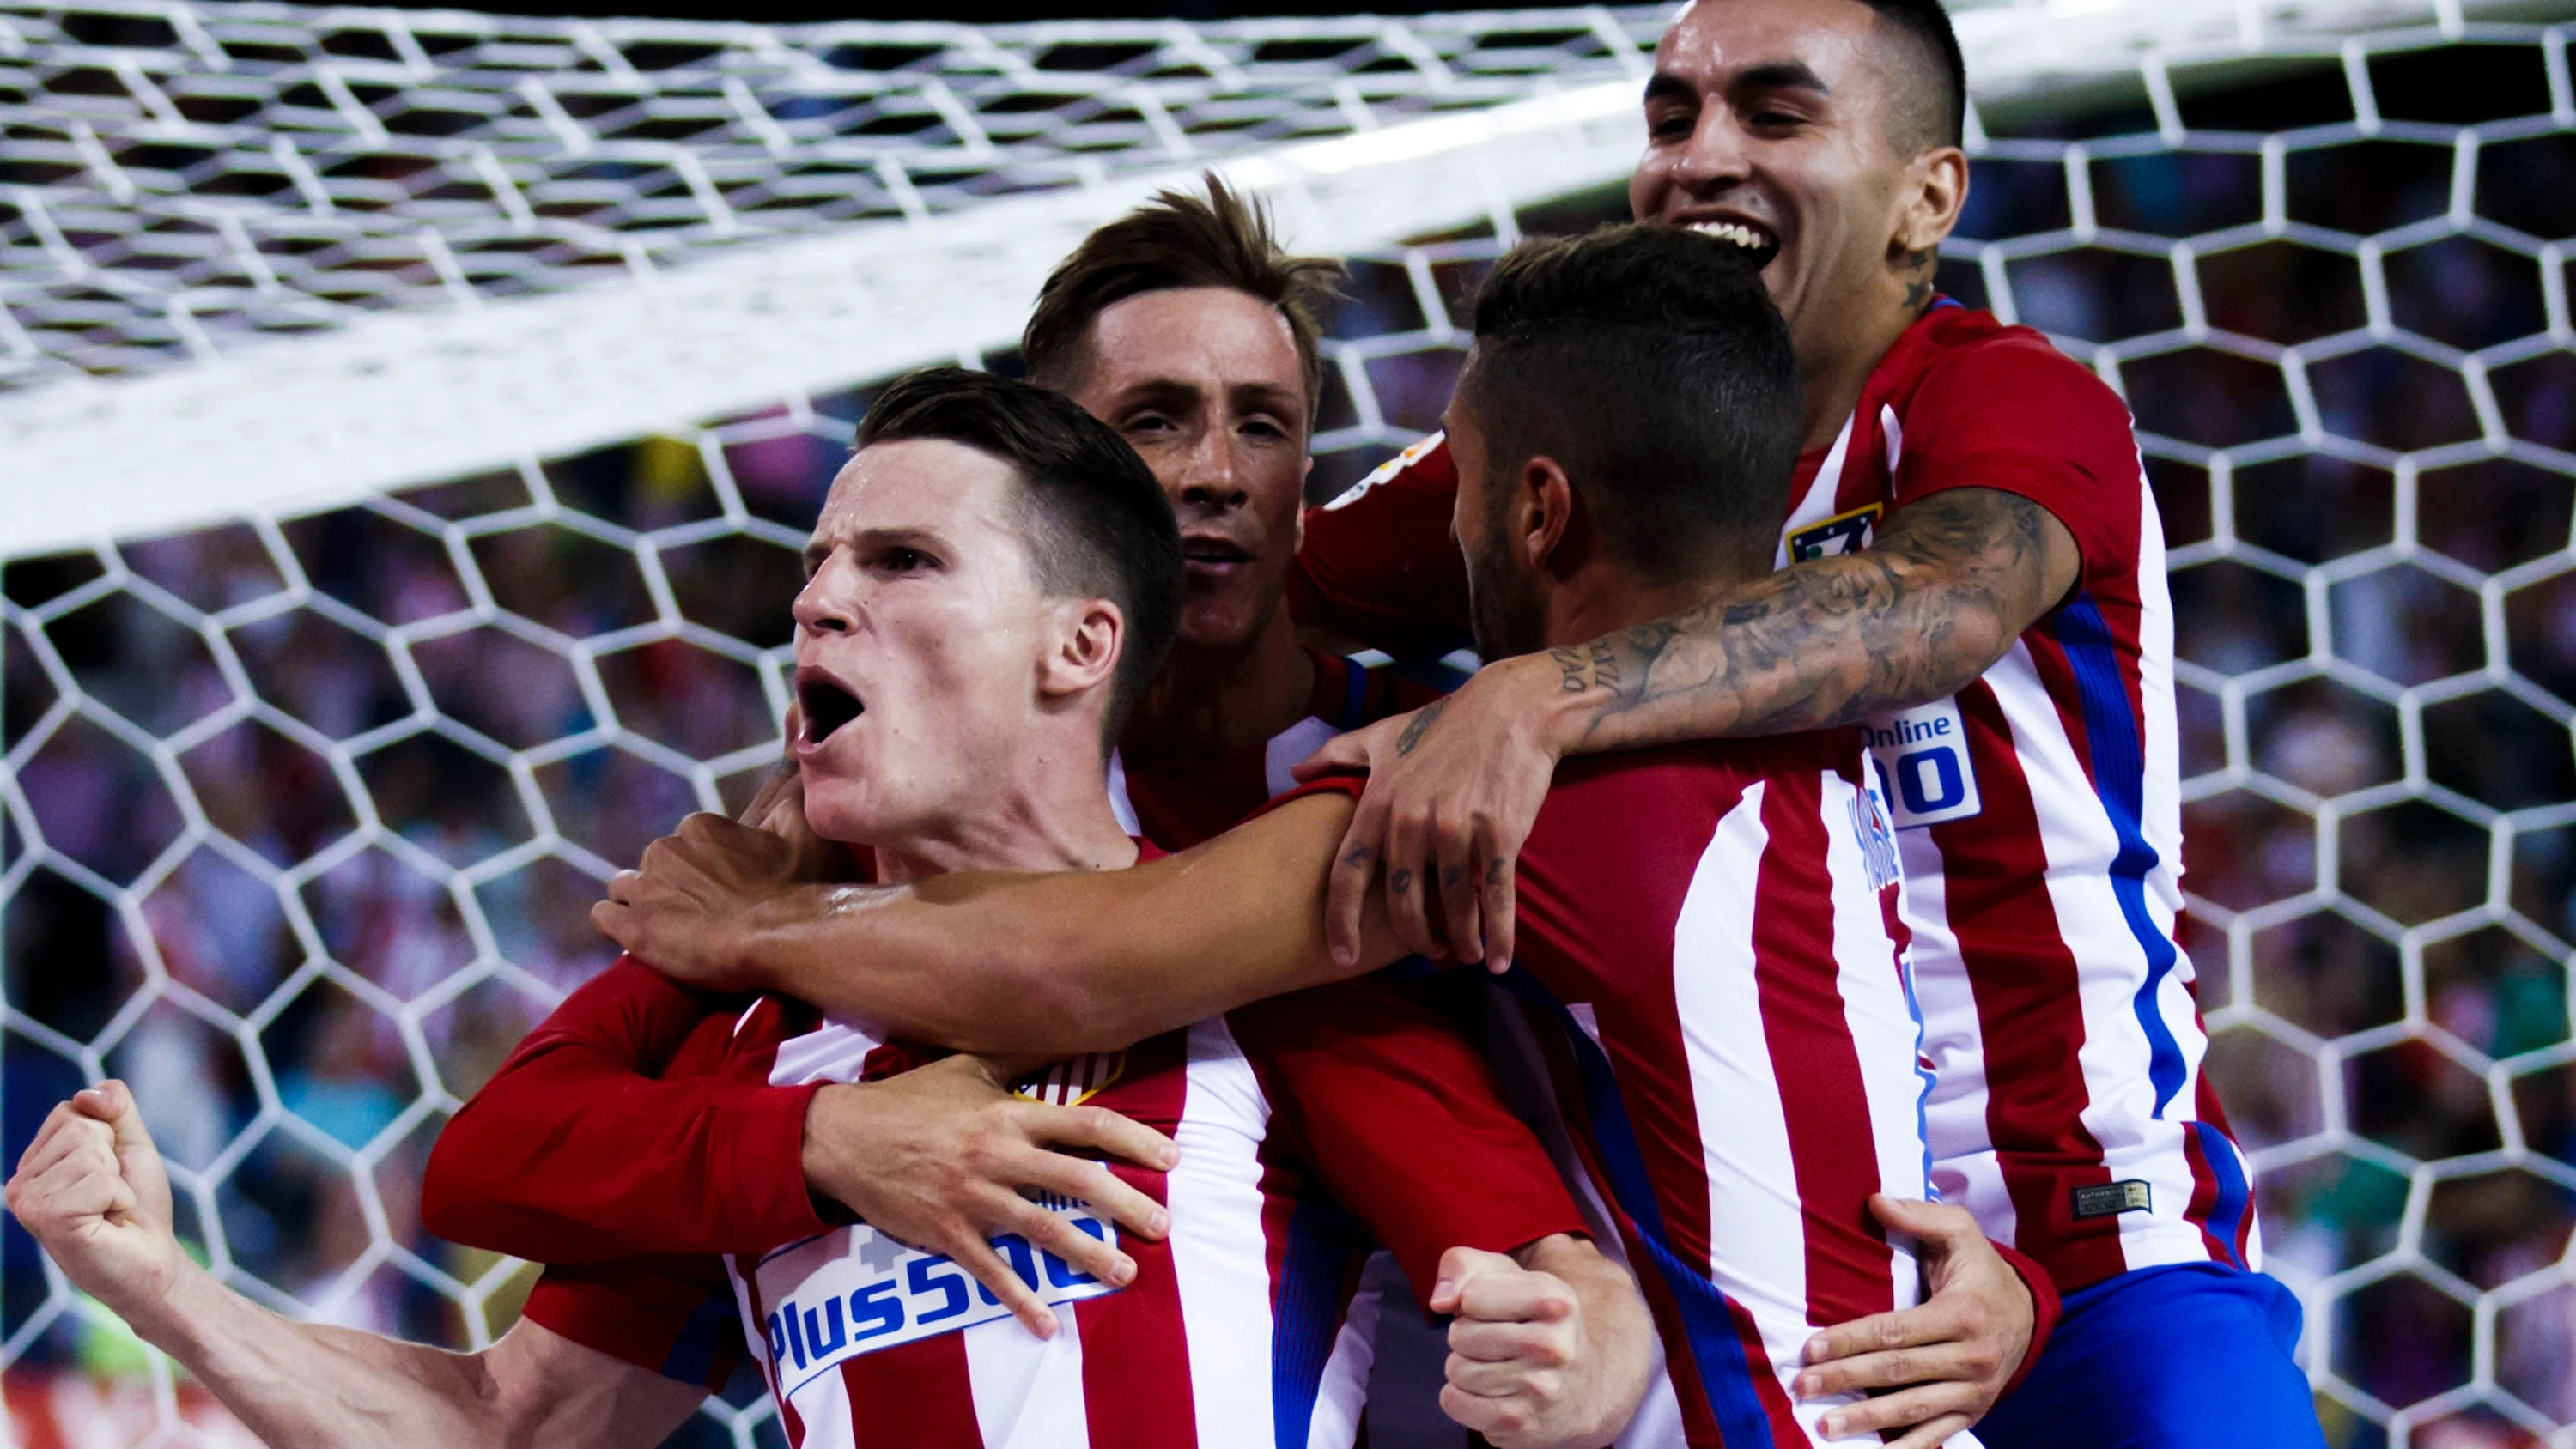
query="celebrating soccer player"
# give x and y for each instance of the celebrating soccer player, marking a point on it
(1975, 575)
(992, 583)
(1717, 981)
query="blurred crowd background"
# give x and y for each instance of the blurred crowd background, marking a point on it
(497, 690)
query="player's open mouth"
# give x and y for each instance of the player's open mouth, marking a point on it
(826, 706)
(1755, 239)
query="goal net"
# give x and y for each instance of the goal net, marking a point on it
(409, 422)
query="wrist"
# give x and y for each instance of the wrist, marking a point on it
(1551, 717)
(184, 1318)
(825, 1165)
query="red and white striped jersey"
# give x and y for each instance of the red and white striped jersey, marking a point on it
(1304, 1123)
(1178, 806)
(2037, 812)
(1711, 959)
(1299, 1133)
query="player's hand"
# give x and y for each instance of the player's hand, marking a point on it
(1528, 1368)
(683, 910)
(91, 1190)
(1934, 1369)
(938, 1157)
(1453, 789)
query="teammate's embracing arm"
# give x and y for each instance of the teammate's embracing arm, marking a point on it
(1931, 605)
(92, 1191)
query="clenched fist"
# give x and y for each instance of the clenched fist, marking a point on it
(91, 1190)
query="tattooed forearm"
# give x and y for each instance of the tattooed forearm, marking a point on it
(1930, 606)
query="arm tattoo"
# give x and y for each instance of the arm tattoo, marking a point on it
(1935, 602)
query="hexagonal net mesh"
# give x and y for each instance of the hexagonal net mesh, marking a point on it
(304, 811)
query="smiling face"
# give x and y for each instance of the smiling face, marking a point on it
(1206, 384)
(920, 639)
(1770, 123)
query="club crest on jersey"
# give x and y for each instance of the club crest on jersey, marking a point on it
(1074, 1081)
(1844, 533)
(1420, 449)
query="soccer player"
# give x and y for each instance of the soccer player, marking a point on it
(1187, 328)
(1974, 574)
(992, 581)
(1717, 976)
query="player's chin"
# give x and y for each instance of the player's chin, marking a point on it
(1220, 619)
(841, 808)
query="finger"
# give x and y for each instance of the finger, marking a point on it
(1543, 1345)
(1501, 896)
(1408, 852)
(1354, 875)
(1929, 1435)
(1339, 756)
(113, 1103)
(1460, 1266)
(1896, 1368)
(988, 1268)
(1516, 1297)
(1534, 1385)
(1103, 1130)
(1902, 1410)
(1090, 1182)
(1937, 1224)
(59, 1135)
(623, 886)
(1055, 1233)
(1461, 892)
(1499, 1420)
(1881, 1332)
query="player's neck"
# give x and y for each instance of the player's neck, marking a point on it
(1602, 600)
(1048, 811)
(1208, 704)
(1837, 354)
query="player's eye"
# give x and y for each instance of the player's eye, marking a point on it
(1670, 125)
(1148, 423)
(902, 560)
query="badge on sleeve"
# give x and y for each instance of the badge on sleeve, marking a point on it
(1844, 533)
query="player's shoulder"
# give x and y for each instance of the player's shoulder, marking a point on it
(1680, 790)
(1956, 346)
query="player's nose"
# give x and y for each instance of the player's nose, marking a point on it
(826, 604)
(1717, 156)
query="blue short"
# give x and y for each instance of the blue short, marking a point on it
(2187, 1356)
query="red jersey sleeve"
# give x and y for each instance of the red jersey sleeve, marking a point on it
(607, 1136)
(675, 1316)
(1399, 1116)
(2013, 413)
(1378, 566)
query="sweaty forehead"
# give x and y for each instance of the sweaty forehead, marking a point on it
(1714, 41)
(1201, 335)
(919, 485)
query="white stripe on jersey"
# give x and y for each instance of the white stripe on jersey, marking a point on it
(1028, 1390)
(1291, 746)
(2114, 1056)
(1885, 1035)
(1756, 1226)
(1223, 1276)
(1818, 504)
(1342, 1398)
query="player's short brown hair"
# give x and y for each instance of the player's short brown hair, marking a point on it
(1179, 239)
(1650, 363)
(1095, 520)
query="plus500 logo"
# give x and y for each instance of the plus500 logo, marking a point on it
(916, 1296)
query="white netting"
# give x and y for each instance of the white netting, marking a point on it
(304, 811)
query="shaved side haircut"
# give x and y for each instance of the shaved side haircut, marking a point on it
(1178, 239)
(1930, 106)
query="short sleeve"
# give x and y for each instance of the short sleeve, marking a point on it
(1378, 566)
(674, 1316)
(1397, 1113)
(2014, 414)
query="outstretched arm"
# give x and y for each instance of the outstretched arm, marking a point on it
(1453, 788)
(999, 964)
(92, 1191)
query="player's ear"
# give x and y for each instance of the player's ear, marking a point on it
(1936, 191)
(1547, 516)
(1082, 652)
